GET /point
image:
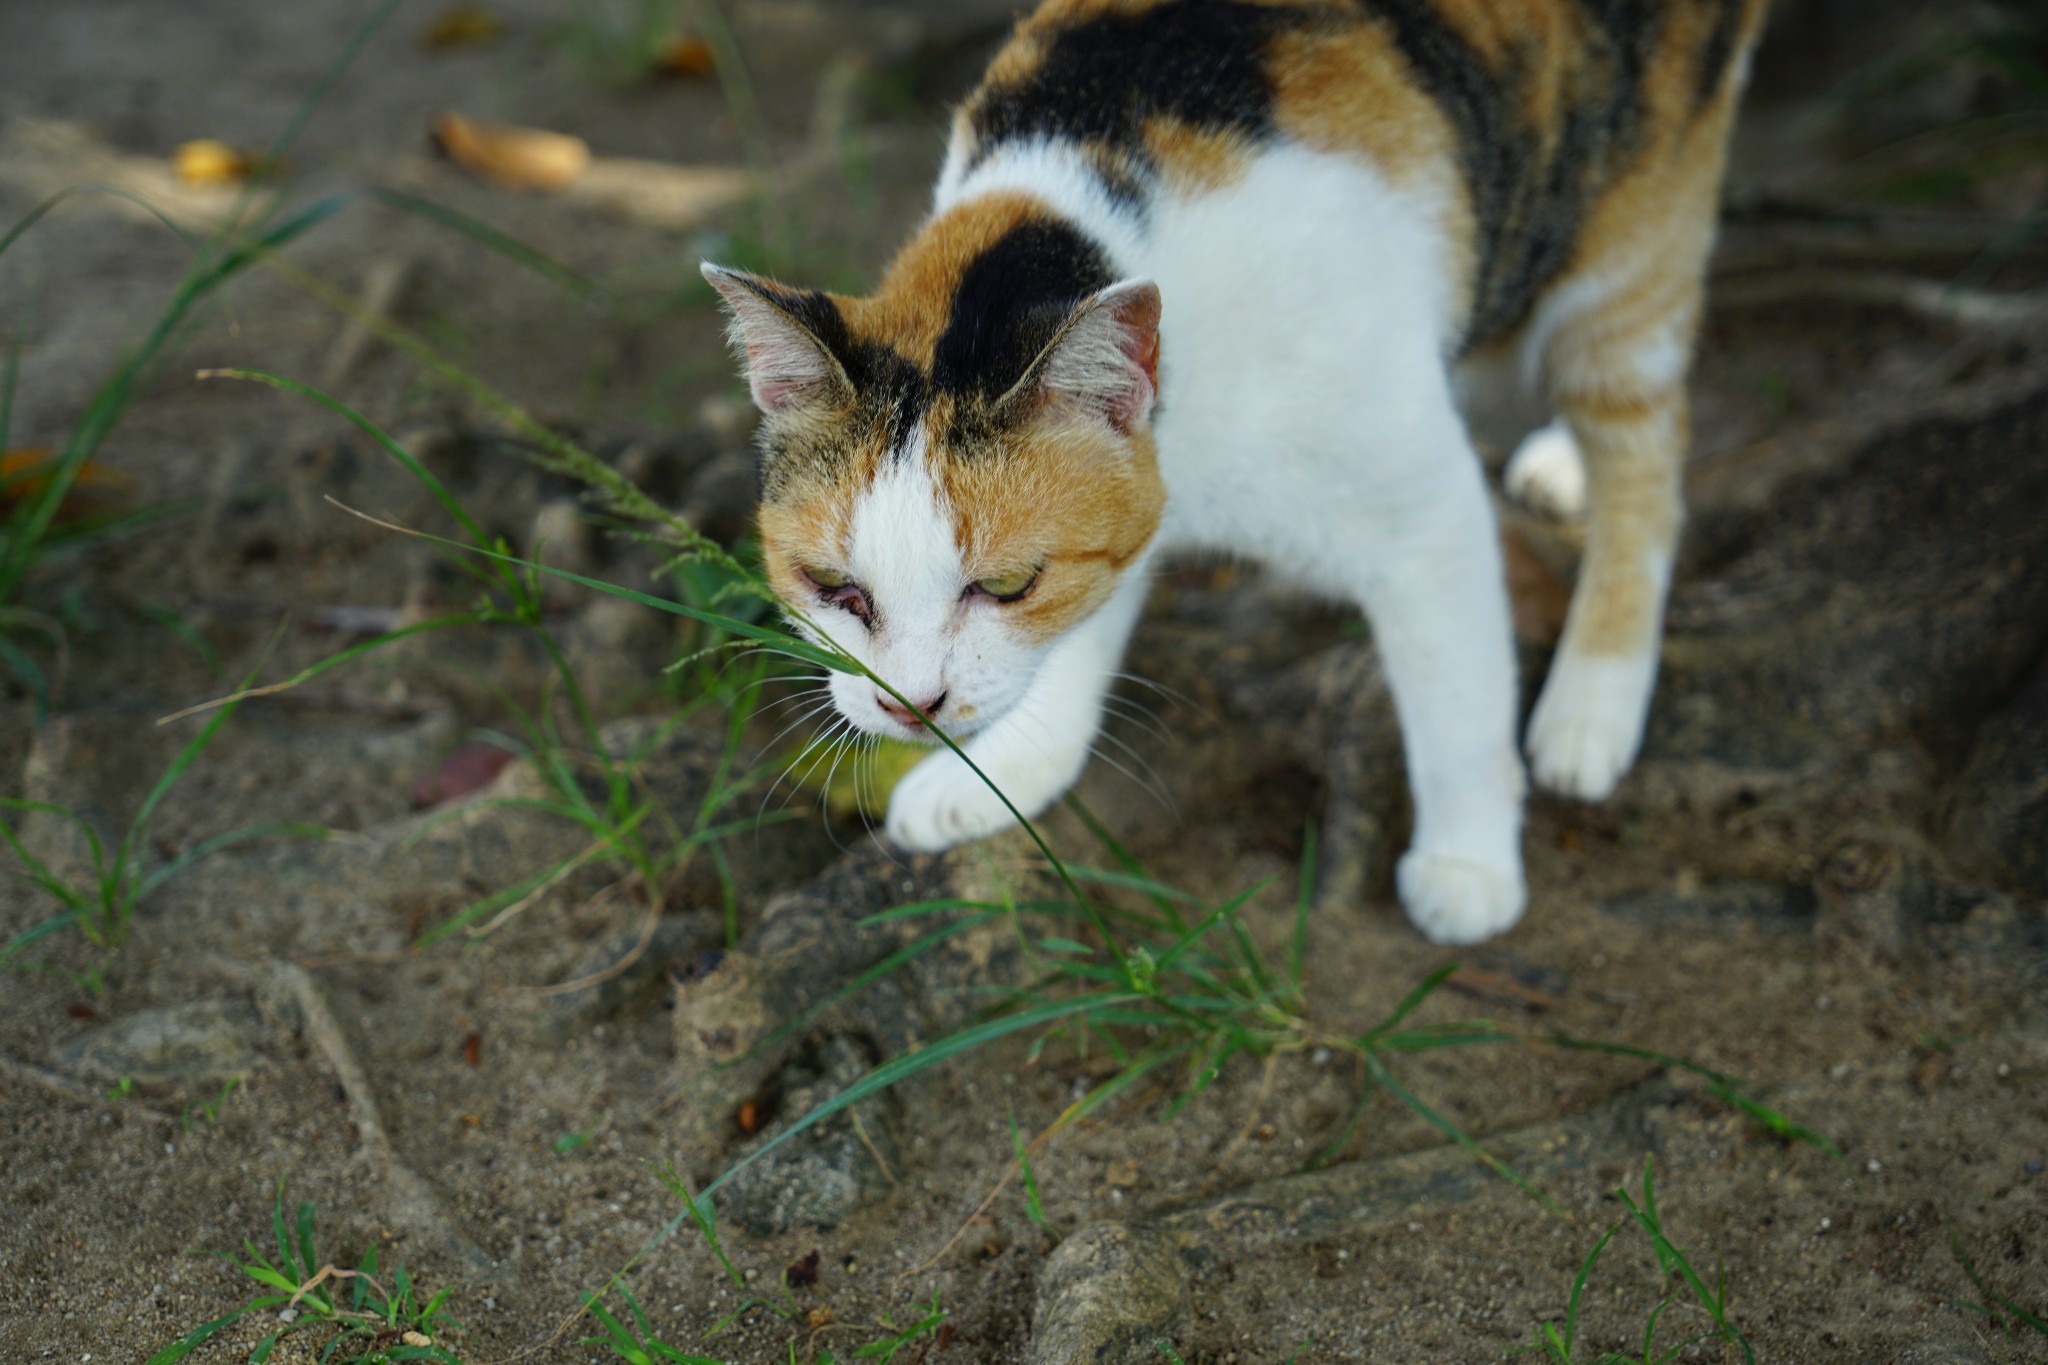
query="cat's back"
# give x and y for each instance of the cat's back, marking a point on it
(1523, 117)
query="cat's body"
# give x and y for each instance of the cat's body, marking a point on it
(1205, 275)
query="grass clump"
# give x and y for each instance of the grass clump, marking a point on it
(364, 1315)
(1558, 1344)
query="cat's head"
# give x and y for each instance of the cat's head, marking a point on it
(957, 470)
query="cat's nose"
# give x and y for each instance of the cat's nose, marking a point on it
(902, 714)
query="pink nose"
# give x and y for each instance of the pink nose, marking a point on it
(903, 715)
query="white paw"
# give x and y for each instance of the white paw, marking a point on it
(1459, 900)
(1547, 472)
(1588, 724)
(940, 803)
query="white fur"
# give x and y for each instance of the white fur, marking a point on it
(1588, 723)
(1306, 419)
(1548, 472)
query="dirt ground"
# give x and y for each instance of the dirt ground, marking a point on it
(1827, 877)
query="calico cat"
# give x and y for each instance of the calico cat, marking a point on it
(1212, 275)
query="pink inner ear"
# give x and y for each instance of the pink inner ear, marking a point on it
(1137, 321)
(775, 380)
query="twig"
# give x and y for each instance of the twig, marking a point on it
(410, 1201)
(79, 1090)
(1934, 299)
(381, 285)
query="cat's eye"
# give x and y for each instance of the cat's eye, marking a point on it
(1008, 587)
(840, 591)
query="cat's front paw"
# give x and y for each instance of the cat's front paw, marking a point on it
(1459, 900)
(942, 802)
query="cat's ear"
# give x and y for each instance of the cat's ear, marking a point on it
(1105, 357)
(788, 365)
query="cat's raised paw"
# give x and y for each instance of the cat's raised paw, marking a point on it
(1457, 900)
(940, 803)
(1548, 473)
(1588, 724)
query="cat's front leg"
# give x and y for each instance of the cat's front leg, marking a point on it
(1432, 585)
(1033, 752)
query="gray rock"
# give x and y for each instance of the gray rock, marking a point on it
(203, 1040)
(820, 1176)
(675, 938)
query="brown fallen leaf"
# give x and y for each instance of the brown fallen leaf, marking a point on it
(462, 26)
(468, 768)
(523, 158)
(802, 1271)
(208, 161)
(23, 474)
(685, 56)
(473, 1049)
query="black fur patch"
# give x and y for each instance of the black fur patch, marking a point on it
(889, 391)
(1718, 50)
(1010, 301)
(1529, 193)
(1200, 62)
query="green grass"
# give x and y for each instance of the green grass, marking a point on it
(99, 901)
(364, 1315)
(1558, 1343)
(1999, 1309)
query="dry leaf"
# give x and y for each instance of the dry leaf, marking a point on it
(468, 768)
(524, 158)
(683, 56)
(21, 477)
(211, 162)
(462, 26)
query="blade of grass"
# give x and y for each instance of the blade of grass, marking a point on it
(1459, 1136)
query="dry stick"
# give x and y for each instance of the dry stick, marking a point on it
(410, 1201)
(1244, 1133)
(79, 1090)
(381, 285)
(1887, 288)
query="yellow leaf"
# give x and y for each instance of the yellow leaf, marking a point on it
(212, 162)
(524, 158)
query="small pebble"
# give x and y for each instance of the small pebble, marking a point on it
(1320, 1057)
(2034, 1167)
(1415, 1227)
(1826, 1223)
(1873, 1165)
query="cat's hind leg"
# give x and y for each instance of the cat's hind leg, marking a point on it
(1547, 472)
(1622, 393)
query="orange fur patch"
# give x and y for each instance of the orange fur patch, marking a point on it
(1063, 493)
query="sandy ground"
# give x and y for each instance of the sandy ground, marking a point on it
(1827, 877)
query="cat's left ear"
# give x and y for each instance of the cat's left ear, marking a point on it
(1105, 357)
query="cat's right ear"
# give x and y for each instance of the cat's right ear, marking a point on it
(788, 365)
